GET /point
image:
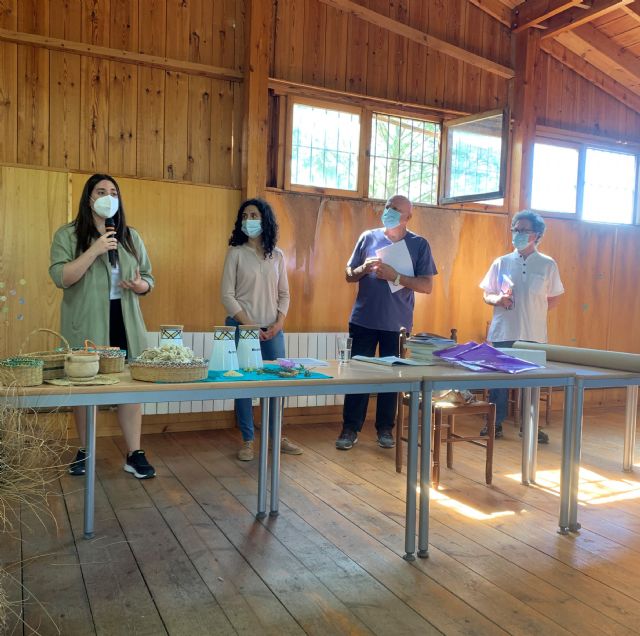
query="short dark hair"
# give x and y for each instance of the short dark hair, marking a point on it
(537, 222)
(269, 226)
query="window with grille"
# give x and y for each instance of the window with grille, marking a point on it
(325, 147)
(404, 157)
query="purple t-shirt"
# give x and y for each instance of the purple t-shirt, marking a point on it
(376, 307)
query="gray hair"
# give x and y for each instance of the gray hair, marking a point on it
(537, 222)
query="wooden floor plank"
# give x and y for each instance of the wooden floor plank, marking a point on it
(471, 549)
(317, 610)
(184, 602)
(248, 603)
(55, 599)
(111, 574)
(380, 610)
(183, 553)
(11, 574)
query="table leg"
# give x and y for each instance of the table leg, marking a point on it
(90, 475)
(566, 465)
(412, 478)
(576, 451)
(630, 428)
(262, 465)
(425, 472)
(535, 423)
(526, 435)
(276, 438)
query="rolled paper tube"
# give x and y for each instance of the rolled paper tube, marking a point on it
(617, 360)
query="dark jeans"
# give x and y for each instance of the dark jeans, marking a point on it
(271, 349)
(500, 397)
(354, 411)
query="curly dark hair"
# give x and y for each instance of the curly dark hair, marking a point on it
(85, 227)
(269, 234)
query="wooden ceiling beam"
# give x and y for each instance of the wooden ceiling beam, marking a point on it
(591, 74)
(574, 18)
(533, 12)
(415, 35)
(619, 57)
(495, 9)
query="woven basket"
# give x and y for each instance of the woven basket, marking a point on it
(169, 372)
(21, 371)
(53, 360)
(111, 358)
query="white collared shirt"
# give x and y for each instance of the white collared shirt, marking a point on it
(115, 291)
(535, 279)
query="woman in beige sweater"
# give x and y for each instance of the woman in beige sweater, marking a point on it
(255, 291)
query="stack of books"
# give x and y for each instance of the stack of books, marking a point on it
(421, 347)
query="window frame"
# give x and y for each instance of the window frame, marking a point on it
(583, 142)
(445, 163)
(362, 159)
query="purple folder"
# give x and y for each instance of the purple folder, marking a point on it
(484, 358)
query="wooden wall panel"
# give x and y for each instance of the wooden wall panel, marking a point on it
(64, 110)
(33, 16)
(96, 18)
(34, 205)
(123, 30)
(378, 52)
(33, 106)
(94, 114)
(314, 42)
(222, 133)
(176, 108)
(356, 53)
(152, 27)
(123, 109)
(417, 54)
(289, 38)
(178, 23)
(199, 133)
(65, 21)
(201, 37)
(398, 53)
(8, 102)
(150, 126)
(335, 62)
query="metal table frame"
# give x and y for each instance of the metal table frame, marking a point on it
(531, 385)
(270, 394)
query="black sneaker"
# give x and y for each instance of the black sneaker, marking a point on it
(138, 465)
(385, 439)
(76, 467)
(485, 431)
(346, 440)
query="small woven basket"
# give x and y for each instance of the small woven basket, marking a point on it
(168, 371)
(53, 361)
(111, 358)
(21, 371)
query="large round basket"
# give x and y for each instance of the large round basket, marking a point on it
(53, 360)
(21, 371)
(168, 371)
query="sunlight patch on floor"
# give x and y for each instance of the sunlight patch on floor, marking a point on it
(594, 489)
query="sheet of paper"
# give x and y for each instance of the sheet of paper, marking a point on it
(397, 255)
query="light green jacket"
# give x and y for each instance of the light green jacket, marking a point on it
(85, 304)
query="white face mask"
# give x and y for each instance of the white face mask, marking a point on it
(106, 206)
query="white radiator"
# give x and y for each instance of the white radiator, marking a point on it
(298, 345)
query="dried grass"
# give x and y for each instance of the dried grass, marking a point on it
(31, 450)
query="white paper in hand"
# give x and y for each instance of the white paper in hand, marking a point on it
(397, 255)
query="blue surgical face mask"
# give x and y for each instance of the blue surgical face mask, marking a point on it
(391, 218)
(520, 240)
(252, 227)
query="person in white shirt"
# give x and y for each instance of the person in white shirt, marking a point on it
(522, 286)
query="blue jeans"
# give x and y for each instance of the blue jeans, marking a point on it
(500, 397)
(365, 342)
(270, 349)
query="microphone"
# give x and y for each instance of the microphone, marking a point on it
(109, 224)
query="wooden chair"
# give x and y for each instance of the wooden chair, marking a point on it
(444, 415)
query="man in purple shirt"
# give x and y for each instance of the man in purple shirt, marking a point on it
(380, 310)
